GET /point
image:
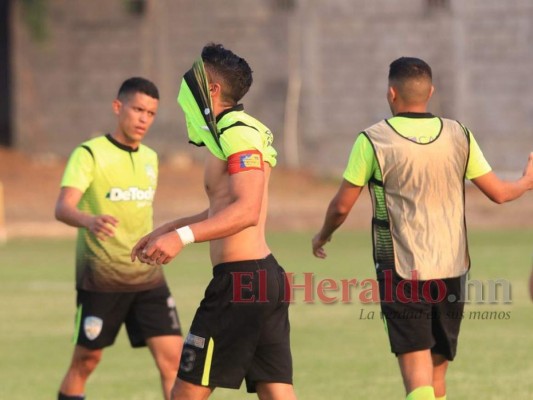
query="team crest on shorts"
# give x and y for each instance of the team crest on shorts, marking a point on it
(92, 327)
(196, 341)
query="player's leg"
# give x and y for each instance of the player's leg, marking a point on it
(446, 321)
(152, 320)
(275, 391)
(408, 322)
(417, 372)
(83, 363)
(183, 390)
(98, 320)
(270, 374)
(440, 366)
(166, 351)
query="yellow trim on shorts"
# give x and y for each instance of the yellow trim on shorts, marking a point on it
(208, 360)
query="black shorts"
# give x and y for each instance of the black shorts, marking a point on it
(241, 329)
(146, 314)
(420, 315)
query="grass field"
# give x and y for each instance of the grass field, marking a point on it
(340, 350)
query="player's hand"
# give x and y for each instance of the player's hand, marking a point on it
(161, 249)
(102, 226)
(137, 251)
(318, 246)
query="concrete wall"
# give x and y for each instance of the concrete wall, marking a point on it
(329, 59)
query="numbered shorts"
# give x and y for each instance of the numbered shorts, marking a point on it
(241, 329)
(420, 315)
(146, 314)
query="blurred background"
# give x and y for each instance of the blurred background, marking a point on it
(320, 77)
(320, 68)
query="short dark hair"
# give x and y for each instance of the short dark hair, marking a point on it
(409, 67)
(137, 85)
(234, 71)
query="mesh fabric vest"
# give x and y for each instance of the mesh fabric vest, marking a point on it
(419, 214)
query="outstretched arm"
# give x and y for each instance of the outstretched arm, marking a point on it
(500, 191)
(338, 210)
(67, 211)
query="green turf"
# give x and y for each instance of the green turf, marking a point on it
(340, 350)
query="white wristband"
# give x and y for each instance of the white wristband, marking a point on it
(186, 235)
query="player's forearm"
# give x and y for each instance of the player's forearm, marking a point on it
(184, 221)
(73, 217)
(335, 216)
(500, 191)
(511, 191)
(229, 221)
(192, 219)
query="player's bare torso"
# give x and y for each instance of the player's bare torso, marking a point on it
(250, 243)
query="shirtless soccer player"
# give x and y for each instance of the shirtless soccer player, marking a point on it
(231, 338)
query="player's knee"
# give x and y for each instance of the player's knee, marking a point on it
(86, 361)
(187, 391)
(275, 391)
(174, 392)
(168, 366)
(179, 391)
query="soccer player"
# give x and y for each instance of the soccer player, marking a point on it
(241, 329)
(107, 192)
(415, 165)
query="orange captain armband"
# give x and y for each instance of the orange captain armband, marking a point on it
(245, 161)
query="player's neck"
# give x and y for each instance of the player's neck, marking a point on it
(119, 137)
(415, 109)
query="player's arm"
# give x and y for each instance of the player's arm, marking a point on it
(246, 191)
(501, 191)
(243, 147)
(245, 166)
(338, 209)
(67, 211)
(361, 166)
(178, 223)
(164, 229)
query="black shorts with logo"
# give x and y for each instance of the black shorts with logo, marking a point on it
(146, 314)
(420, 315)
(241, 329)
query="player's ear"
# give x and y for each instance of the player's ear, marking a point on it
(215, 89)
(391, 94)
(116, 105)
(431, 91)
